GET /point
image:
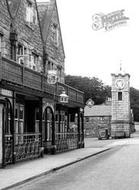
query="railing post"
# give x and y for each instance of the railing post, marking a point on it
(13, 129)
(82, 119)
(53, 149)
(79, 128)
(40, 125)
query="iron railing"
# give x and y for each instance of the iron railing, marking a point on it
(8, 151)
(27, 146)
(66, 141)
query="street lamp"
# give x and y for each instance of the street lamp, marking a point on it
(64, 98)
(52, 79)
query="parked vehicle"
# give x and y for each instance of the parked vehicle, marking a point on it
(103, 132)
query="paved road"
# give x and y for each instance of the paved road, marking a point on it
(112, 170)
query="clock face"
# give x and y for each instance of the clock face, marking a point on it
(119, 83)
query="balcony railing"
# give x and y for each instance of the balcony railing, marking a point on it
(75, 96)
(12, 72)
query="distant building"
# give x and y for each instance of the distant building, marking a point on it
(96, 115)
(115, 112)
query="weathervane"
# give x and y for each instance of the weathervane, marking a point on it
(120, 65)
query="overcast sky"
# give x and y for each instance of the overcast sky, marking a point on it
(98, 53)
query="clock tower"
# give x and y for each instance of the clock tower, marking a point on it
(120, 122)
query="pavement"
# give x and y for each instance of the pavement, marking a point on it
(22, 172)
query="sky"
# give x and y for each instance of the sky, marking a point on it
(99, 53)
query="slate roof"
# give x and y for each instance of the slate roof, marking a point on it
(97, 110)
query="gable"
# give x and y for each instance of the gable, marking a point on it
(28, 27)
(51, 30)
(54, 44)
(5, 20)
(13, 6)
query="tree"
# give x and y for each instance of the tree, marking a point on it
(92, 87)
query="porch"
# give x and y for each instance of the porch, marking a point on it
(23, 122)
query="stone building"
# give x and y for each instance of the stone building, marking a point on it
(28, 103)
(121, 111)
(95, 116)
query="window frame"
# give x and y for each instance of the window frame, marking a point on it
(120, 96)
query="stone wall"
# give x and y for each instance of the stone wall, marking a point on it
(56, 52)
(29, 35)
(5, 22)
(91, 124)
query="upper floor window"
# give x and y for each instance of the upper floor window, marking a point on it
(22, 55)
(119, 96)
(55, 34)
(26, 57)
(35, 60)
(31, 13)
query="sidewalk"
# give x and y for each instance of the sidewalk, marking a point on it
(24, 171)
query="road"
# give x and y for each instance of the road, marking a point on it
(112, 170)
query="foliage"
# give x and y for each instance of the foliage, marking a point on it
(134, 98)
(92, 87)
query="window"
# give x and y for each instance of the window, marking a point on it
(37, 118)
(34, 61)
(87, 119)
(19, 122)
(72, 117)
(55, 34)
(31, 14)
(22, 57)
(119, 96)
(49, 65)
